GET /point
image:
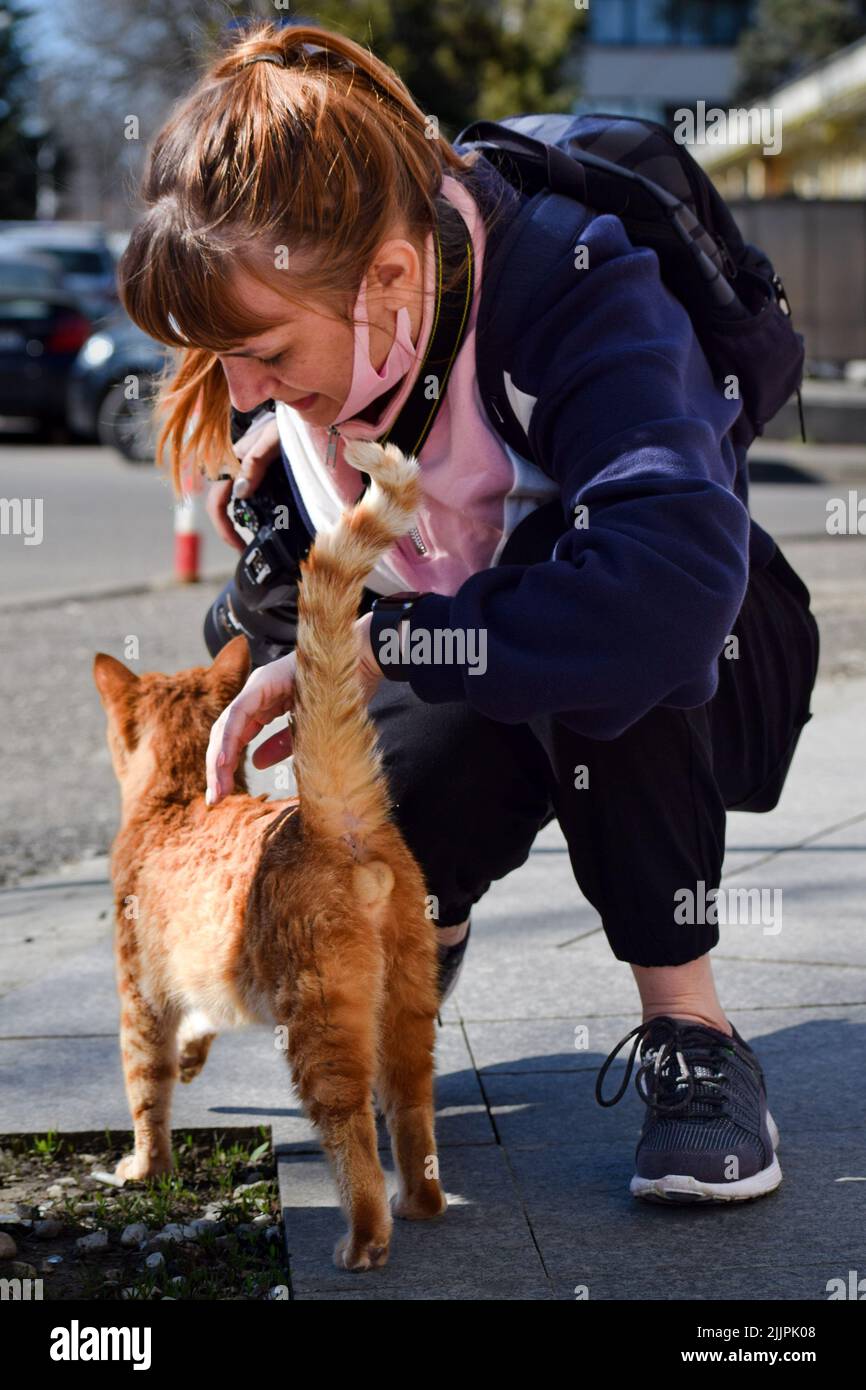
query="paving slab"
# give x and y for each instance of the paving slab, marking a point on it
(75, 1084)
(798, 1045)
(826, 786)
(63, 1076)
(50, 918)
(812, 904)
(480, 1248)
(588, 1227)
(511, 980)
(797, 1051)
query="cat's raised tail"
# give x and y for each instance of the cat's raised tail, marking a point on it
(342, 788)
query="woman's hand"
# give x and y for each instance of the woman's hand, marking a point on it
(256, 449)
(268, 693)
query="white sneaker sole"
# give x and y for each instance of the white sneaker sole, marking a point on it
(683, 1189)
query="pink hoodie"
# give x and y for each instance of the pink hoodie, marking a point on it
(476, 488)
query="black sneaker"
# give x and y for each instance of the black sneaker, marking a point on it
(708, 1135)
(450, 965)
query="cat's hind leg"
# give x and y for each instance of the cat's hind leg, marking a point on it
(332, 1050)
(404, 1084)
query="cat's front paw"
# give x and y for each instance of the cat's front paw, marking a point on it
(139, 1167)
(359, 1255)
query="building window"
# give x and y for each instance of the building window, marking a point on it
(655, 22)
(668, 23)
(609, 21)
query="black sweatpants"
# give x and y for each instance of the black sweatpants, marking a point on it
(643, 814)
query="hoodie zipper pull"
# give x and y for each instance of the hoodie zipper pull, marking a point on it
(333, 441)
(415, 535)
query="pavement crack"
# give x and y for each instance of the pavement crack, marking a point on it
(800, 844)
(582, 936)
(507, 1157)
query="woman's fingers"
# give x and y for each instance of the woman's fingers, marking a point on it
(229, 736)
(264, 428)
(215, 505)
(268, 693)
(256, 450)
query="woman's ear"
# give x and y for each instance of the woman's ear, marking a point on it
(230, 669)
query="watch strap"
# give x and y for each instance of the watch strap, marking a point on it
(389, 611)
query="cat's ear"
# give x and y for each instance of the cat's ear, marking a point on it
(230, 669)
(116, 683)
(113, 679)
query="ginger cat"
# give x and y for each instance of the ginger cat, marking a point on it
(307, 912)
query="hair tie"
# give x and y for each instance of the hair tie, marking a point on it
(264, 58)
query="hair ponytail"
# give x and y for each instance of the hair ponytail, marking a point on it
(319, 152)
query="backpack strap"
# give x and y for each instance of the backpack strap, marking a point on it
(524, 257)
(537, 165)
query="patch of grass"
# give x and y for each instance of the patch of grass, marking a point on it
(48, 1146)
(240, 1262)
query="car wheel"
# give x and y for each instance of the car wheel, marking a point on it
(128, 425)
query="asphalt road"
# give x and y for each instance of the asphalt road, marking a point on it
(105, 523)
(108, 535)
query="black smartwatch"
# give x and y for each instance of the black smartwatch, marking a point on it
(388, 612)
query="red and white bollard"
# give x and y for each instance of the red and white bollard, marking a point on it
(187, 529)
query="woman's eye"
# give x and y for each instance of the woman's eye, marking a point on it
(272, 361)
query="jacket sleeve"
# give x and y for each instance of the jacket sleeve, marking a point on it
(634, 605)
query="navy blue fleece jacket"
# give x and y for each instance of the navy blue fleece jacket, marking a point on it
(633, 609)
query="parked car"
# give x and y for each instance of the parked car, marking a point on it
(82, 253)
(42, 330)
(111, 386)
(29, 271)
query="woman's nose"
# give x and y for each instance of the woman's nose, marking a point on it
(249, 382)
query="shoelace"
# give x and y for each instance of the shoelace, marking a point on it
(657, 1079)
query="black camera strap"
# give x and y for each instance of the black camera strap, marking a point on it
(455, 265)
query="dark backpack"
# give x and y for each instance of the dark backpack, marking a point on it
(635, 169)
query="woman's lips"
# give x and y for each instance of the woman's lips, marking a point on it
(305, 402)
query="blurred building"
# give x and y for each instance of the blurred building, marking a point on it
(822, 117)
(651, 57)
(806, 204)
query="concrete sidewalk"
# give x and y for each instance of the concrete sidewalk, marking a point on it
(538, 1174)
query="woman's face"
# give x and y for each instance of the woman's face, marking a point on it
(309, 354)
